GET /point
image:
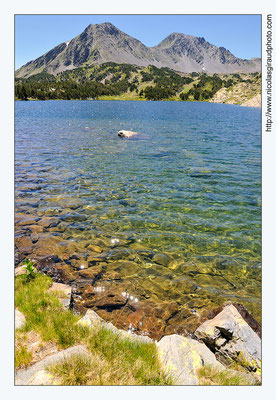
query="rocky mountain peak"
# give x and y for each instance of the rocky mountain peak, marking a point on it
(100, 43)
(104, 28)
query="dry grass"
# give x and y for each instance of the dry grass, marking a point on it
(92, 370)
(22, 356)
(35, 346)
(209, 375)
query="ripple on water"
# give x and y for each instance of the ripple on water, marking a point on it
(177, 217)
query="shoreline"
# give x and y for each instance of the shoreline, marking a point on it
(167, 100)
(101, 284)
(238, 358)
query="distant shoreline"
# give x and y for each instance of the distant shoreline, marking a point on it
(142, 100)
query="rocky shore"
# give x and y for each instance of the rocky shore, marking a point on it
(124, 282)
(241, 94)
(225, 343)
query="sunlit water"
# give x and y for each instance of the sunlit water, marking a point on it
(189, 187)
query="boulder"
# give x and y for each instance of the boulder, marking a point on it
(31, 375)
(20, 319)
(20, 270)
(127, 134)
(231, 338)
(181, 357)
(92, 319)
(43, 378)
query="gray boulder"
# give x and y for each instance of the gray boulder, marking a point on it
(35, 374)
(92, 319)
(43, 378)
(181, 357)
(20, 319)
(231, 338)
(127, 134)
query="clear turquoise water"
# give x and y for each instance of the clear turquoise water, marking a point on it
(189, 188)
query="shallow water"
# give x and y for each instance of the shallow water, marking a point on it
(190, 188)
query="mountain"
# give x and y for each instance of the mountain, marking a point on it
(100, 43)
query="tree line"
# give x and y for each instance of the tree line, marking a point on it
(111, 79)
(68, 90)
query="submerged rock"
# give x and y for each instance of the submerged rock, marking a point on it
(110, 300)
(162, 259)
(24, 245)
(28, 220)
(59, 272)
(93, 273)
(49, 222)
(95, 248)
(182, 357)
(231, 338)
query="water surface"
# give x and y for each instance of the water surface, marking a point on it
(182, 205)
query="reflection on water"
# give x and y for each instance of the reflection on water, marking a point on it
(175, 217)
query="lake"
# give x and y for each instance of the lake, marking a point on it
(171, 220)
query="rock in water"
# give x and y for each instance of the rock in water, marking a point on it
(127, 134)
(182, 357)
(231, 338)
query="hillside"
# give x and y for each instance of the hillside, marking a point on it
(130, 82)
(241, 93)
(101, 43)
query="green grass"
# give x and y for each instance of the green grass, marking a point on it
(111, 360)
(137, 361)
(209, 375)
(22, 356)
(44, 313)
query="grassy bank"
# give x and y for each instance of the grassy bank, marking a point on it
(110, 359)
(114, 361)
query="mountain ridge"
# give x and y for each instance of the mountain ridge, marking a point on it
(100, 43)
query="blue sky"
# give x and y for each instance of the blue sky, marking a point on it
(37, 34)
